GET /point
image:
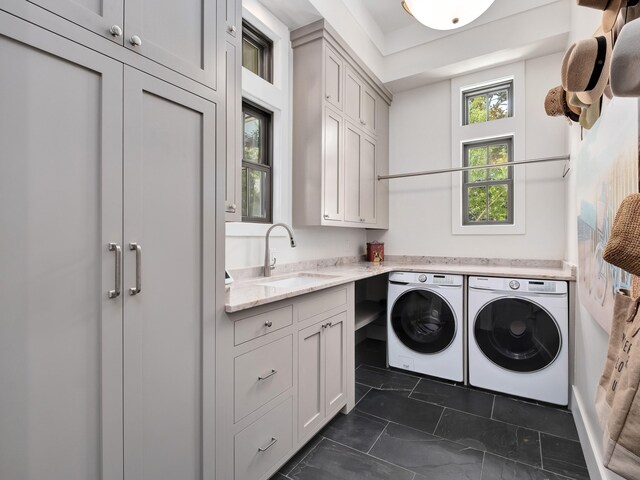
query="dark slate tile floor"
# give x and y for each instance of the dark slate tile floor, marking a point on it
(409, 427)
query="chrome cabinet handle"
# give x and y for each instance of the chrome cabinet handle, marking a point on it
(231, 208)
(269, 445)
(232, 29)
(268, 324)
(115, 31)
(326, 215)
(138, 288)
(270, 374)
(114, 247)
(327, 325)
(135, 40)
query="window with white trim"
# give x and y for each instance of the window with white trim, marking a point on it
(487, 194)
(488, 127)
(256, 164)
(488, 103)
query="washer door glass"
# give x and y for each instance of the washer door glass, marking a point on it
(517, 334)
(423, 321)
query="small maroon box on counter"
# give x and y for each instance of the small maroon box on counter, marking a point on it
(375, 252)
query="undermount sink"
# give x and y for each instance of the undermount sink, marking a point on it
(297, 280)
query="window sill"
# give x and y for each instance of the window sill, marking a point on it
(516, 229)
(239, 229)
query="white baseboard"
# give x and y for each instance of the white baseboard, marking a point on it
(590, 439)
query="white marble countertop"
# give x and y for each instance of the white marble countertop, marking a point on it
(249, 293)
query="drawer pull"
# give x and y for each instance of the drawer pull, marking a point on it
(269, 445)
(327, 325)
(270, 374)
(268, 324)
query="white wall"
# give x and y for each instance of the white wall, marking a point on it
(420, 207)
(245, 242)
(591, 340)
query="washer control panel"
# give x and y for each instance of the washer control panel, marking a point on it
(418, 278)
(521, 285)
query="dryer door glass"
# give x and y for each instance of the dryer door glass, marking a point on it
(517, 334)
(423, 321)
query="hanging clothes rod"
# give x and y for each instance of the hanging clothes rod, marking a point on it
(482, 167)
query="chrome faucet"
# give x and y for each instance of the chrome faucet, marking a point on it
(268, 266)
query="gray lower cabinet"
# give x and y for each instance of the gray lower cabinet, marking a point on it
(179, 35)
(283, 371)
(322, 372)
(106, 338)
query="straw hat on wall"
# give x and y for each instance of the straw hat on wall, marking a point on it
(585, 67)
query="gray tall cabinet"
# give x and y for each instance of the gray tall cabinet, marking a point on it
(340, 134)
(110, 208)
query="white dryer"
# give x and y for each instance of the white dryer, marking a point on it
(425, 324)
(519, 337)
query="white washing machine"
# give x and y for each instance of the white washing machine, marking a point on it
(425, 324)
(519, 337)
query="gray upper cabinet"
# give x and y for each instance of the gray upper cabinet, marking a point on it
(360, 102)
(360, 176)
(368, 110)
(104, 17)
(353, 96)
(233, 144)
(233, 17)
(181, 36)
(333, 193)
(333, 78)
(340, 134)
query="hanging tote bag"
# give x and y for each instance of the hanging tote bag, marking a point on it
(618, 397)
(623, 247)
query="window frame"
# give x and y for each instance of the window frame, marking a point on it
(486, 90)
(265, 50)
(466, 184)
(266, 148)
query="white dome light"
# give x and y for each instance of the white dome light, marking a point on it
(446, 14)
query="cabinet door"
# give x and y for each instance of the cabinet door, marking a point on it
(168, 326)
(335, 363)
(96, 15)
(233, 145)
(233, 17)
(311, 394)
(333, 181)
(333, 78)
(352, 96)
(60, 206)
(179, 35)
(368, 180)
(352, 154)
(368, 119)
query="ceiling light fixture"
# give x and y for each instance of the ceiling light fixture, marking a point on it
(446, 14)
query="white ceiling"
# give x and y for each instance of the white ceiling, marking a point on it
(395, 46)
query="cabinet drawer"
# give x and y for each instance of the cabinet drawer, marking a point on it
(322, 302)
(261, 375)
(263, 443)
(258, 325)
